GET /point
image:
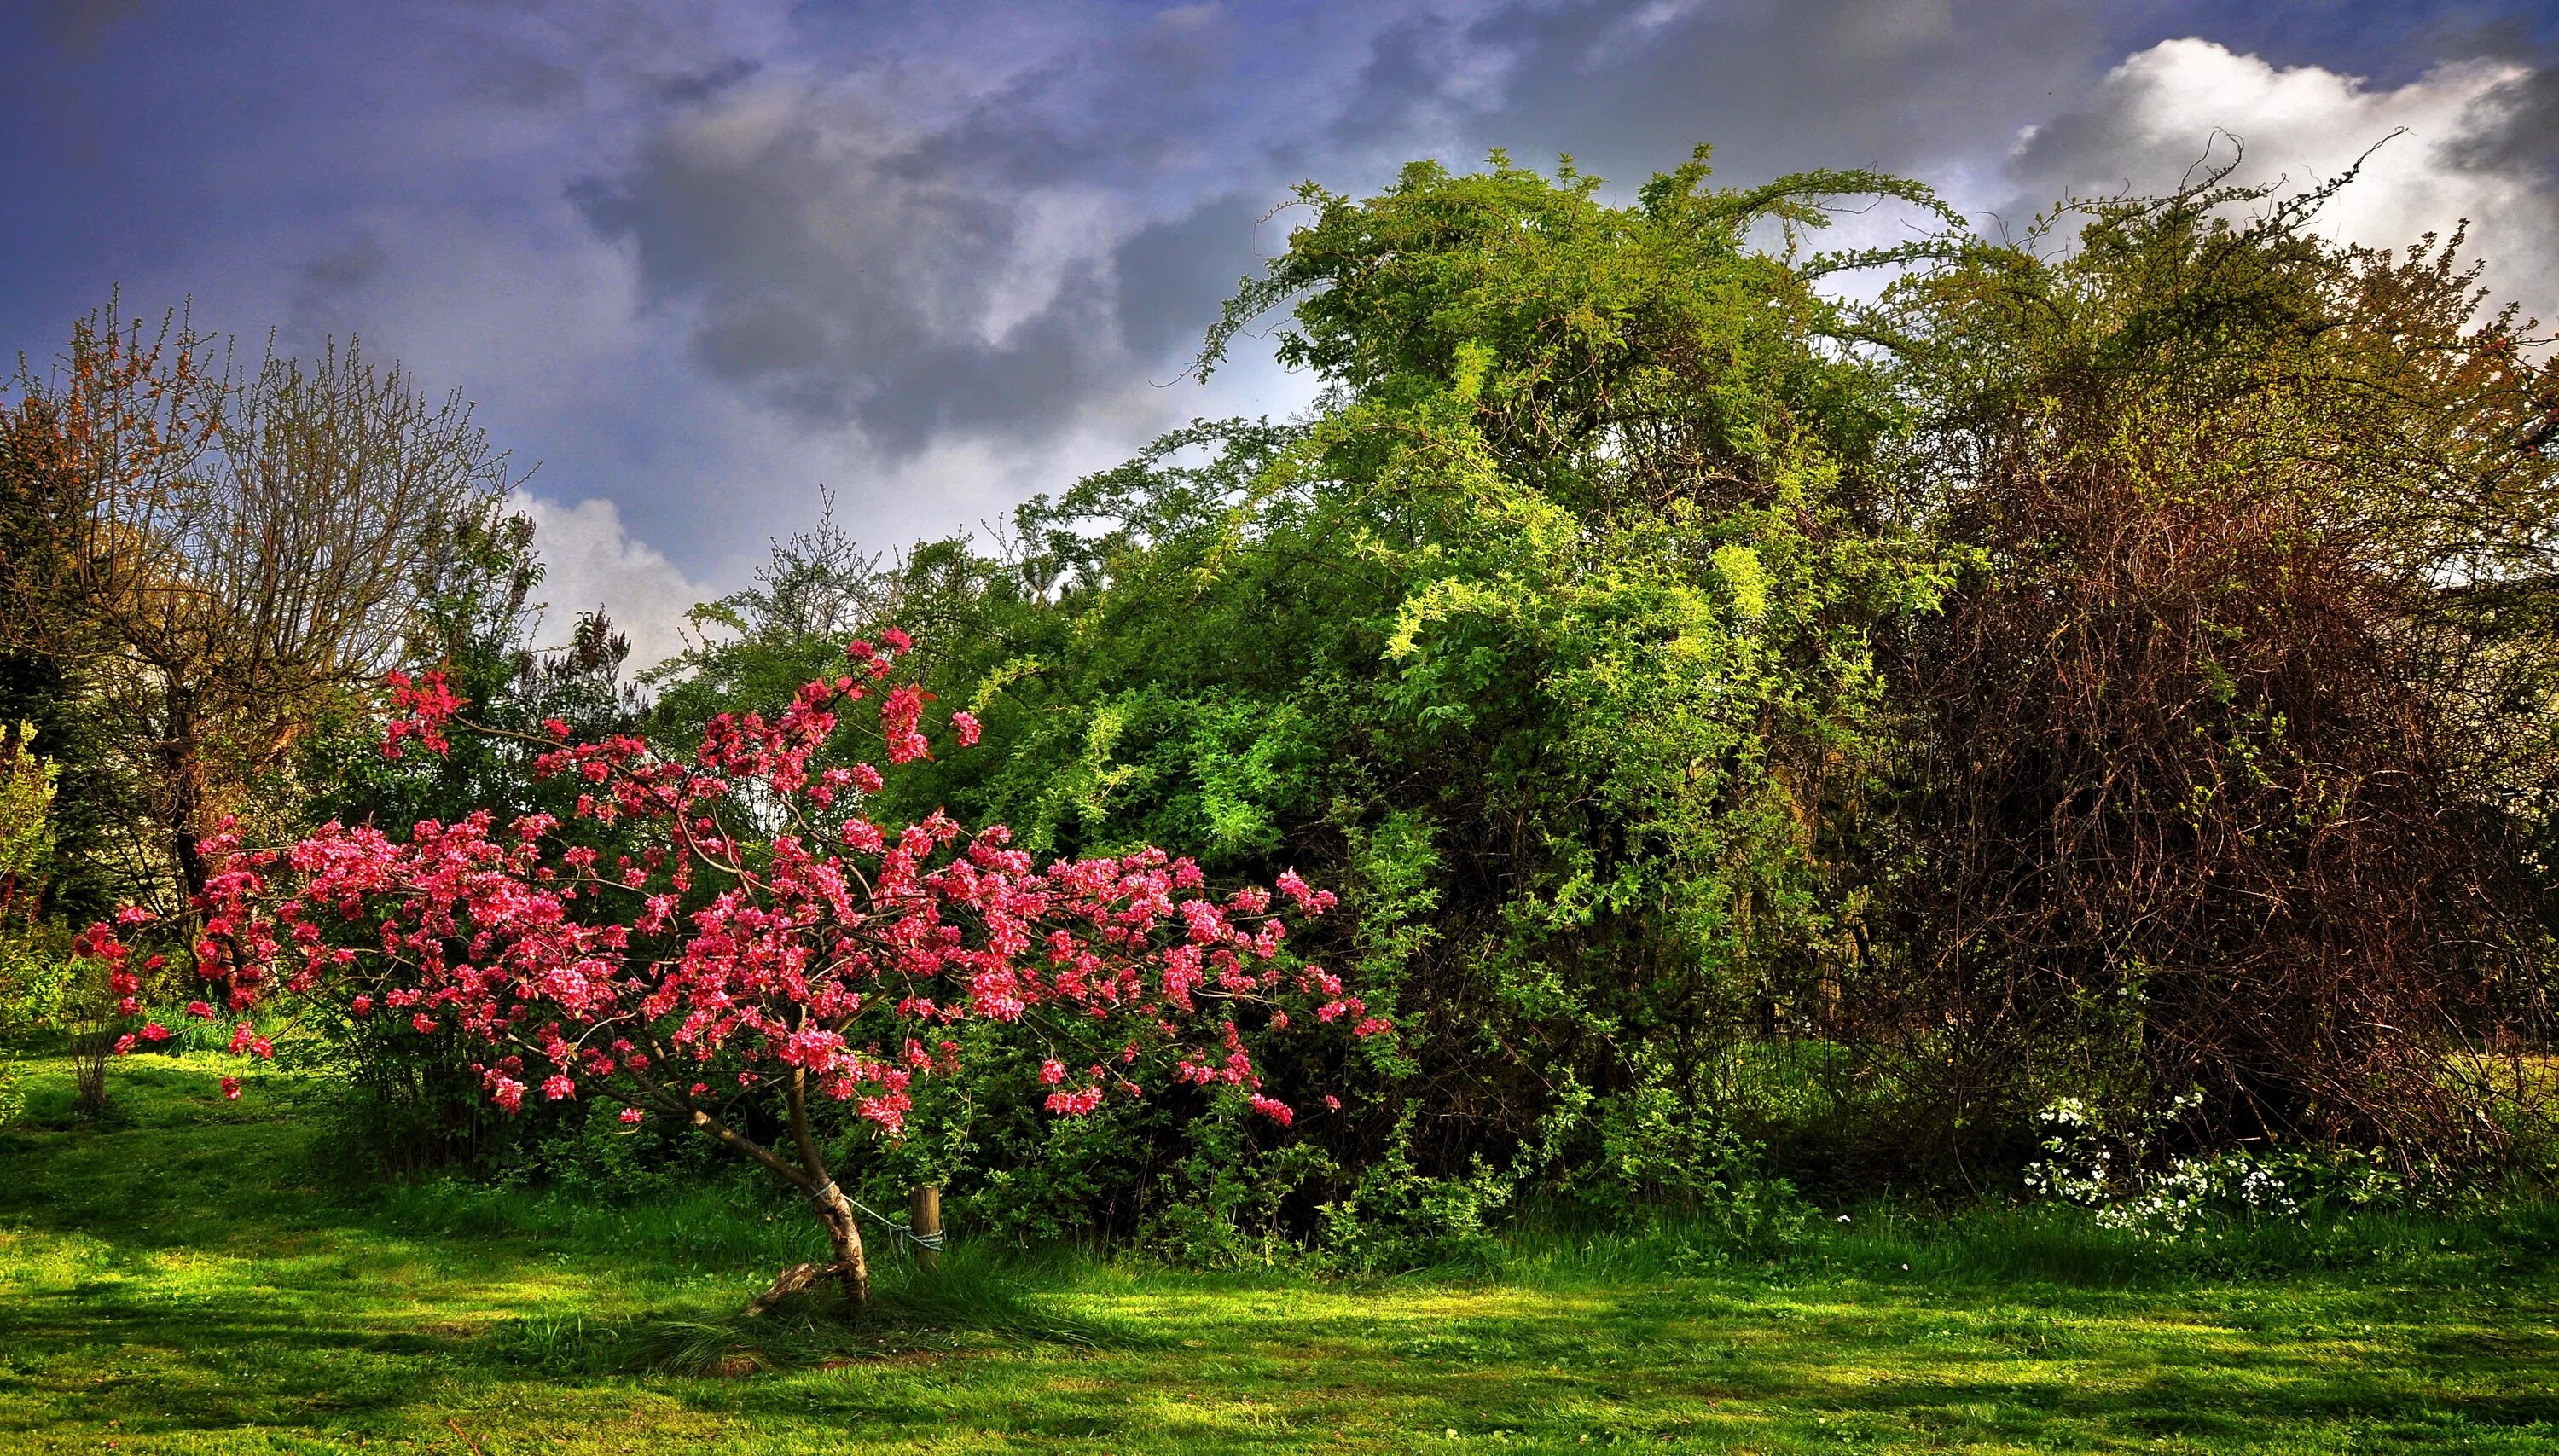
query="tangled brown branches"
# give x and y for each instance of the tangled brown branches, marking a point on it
(2220, 750)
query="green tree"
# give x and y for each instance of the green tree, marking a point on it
(1545, 640)
(31, 976)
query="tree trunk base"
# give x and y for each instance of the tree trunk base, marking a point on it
(804, 1276)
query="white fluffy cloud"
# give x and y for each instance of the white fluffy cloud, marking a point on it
(2152, 118)
(591, 561)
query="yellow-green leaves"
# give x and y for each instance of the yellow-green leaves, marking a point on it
(1745, 584)
(26, 803)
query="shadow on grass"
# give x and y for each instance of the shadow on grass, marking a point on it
(1915, 1361)
(977, 1299)
(184, 1274)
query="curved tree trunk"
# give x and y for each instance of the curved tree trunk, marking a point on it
(835, 1210)
(844, 1233)
(851, 1267)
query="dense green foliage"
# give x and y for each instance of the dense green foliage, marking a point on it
(2111, 665)
(1769, 747)
(1547, 643)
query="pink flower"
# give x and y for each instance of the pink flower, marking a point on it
(231, 1089)
(899, 713)
(853, 954)
(201, 1010)
(888, 1110)
(1075, 1103)
(814, 1049)
(153, 1031)
(428, 705)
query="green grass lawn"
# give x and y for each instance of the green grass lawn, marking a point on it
(195, 1281)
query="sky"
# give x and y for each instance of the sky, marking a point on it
(695, 263)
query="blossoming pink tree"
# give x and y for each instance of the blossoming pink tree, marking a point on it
(761, 945)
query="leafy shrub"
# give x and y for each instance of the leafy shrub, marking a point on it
(2115, 1173)
(775, 970)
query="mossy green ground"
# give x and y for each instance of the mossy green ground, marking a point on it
(194, 1282)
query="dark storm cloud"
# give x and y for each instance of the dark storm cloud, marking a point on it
(1131, 105)
(706, 83)
(1412, 84)
(1772, 84)
(988, 273)
(1174, 277)
(2523, 135)
(827, 267)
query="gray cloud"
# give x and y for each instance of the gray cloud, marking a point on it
(1772, 84)
(1423, 76)
(1173, 276)
(80, 25)
(327, 299)
(2518, 130)
(830, 267)
(1126, 105)
(520, 80)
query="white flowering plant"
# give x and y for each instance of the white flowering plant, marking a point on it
(2107, 1166)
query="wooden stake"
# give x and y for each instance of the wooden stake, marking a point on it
(924, 1221)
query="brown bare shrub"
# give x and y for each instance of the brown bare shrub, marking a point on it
(2223, 749)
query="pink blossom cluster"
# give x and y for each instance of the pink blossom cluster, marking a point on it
(760, 932)
(423, 706)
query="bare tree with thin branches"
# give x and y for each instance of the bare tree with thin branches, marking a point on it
(220, 551)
